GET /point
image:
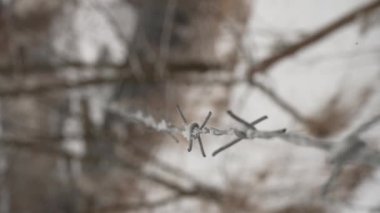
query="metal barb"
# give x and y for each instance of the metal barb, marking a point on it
(192, 135)
(242, 134)
(226, 146)
(279, 131)
(206, 120)
(240, 120)
(201, 145)
(173, 137)
(259, 120)
(190, 145)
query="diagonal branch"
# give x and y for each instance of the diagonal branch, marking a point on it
(267, 63)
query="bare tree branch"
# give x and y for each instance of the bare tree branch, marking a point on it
(173, 67)
(53, 83)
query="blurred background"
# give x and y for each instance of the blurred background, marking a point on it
(87, 88)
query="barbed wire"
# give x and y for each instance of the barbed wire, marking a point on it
(350, 149)
(192, 130)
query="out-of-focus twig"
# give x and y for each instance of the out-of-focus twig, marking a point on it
(173, 67)
(352, 144)
(52, 83)
(166, 35)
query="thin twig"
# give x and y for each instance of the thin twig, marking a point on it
(55, 83)
(267, 91)
(222, 148)
(173, 67)
(280, 102)
(206, 120)
(240, 120)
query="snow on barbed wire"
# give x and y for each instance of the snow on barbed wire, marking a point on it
(146, 120)
(193, 131)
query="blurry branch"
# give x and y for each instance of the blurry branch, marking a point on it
(52, 81)
(166, 36)
(265, 64)
(53, 85)
(46, 86)
(173, 67)
(16, 143)
(345, 55)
